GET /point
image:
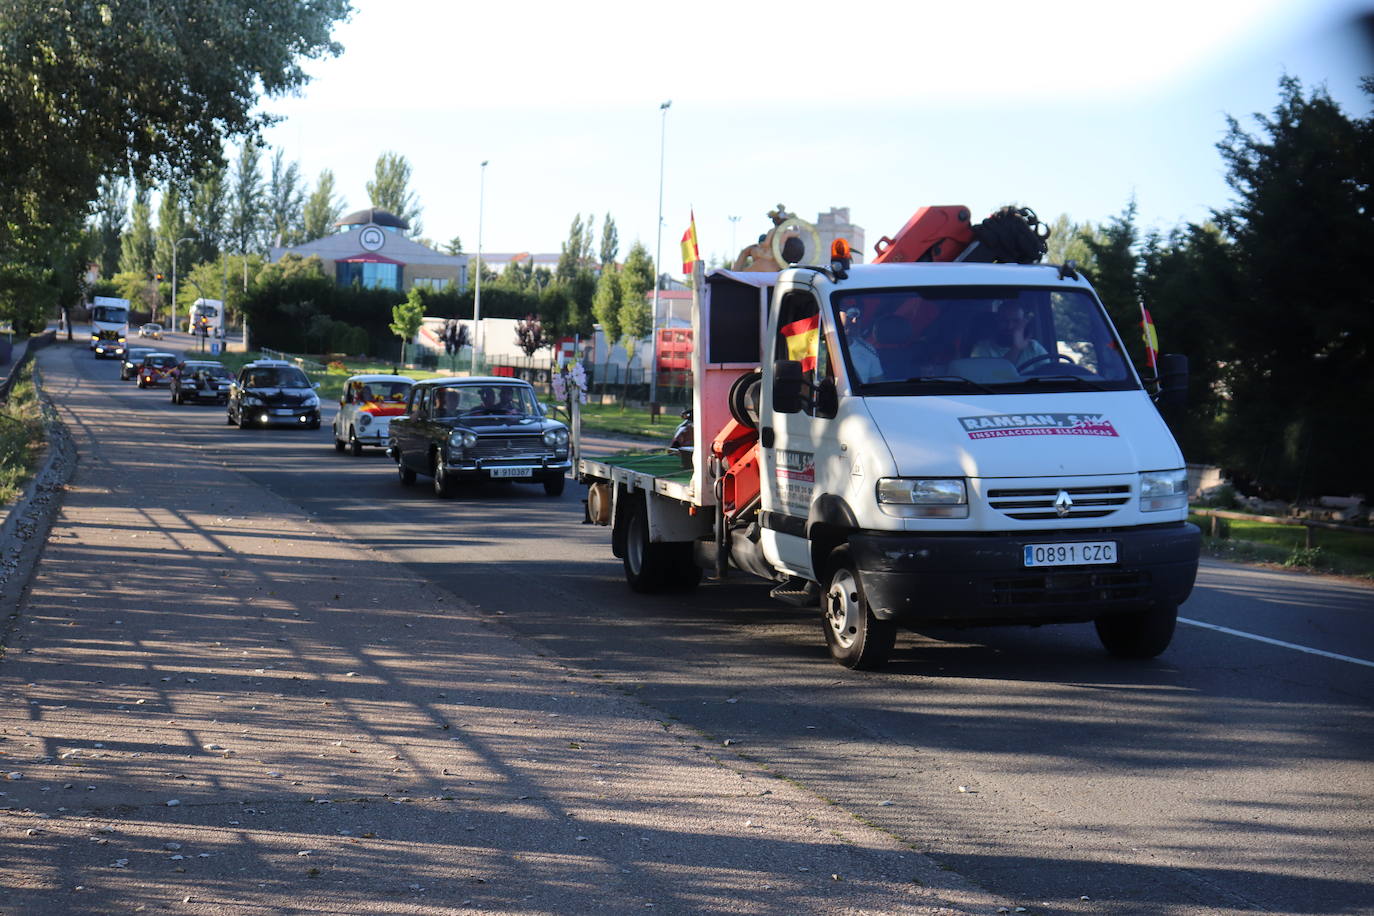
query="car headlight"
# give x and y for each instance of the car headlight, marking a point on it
(249, 401)
(1161, 490)
(923, 497)
(364, 420)
(556, 438)
(311, 401)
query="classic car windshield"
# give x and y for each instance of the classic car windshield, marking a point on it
(217, 372)
(493, 400)
(161, 362)
(277, 377)
(934, 339)
(379, 392)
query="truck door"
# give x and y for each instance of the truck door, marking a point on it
(799, 449)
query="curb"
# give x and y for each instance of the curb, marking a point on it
(24, 530)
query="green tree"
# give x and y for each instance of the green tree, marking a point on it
(171, 226)
(285, 199)
(606, 305)
(205, 214)
(136, 246)
(1301, 361)
(247, 202)
(140, 89)
(576, 252)
(390, 190)
(111, 216)
(454, 246)
(1068, 241)
(610, 241)
(636, 283)
(322, 209)
(1116, 261)
(406, 318)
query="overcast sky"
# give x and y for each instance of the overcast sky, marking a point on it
(1066, 106)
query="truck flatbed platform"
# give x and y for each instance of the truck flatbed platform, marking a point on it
(656, 472)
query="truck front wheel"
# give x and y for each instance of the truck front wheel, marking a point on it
(1141, 635)
(655, 567)
(855, 637)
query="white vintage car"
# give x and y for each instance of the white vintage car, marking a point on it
(365, 410)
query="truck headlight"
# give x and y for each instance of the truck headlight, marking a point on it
(923, 497)
(1161, 490)
(556, 438)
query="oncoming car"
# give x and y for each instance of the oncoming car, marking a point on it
(201, 380)
(151, 330)
(366, 407)
(478, 429)
(133, 358)
(272, 392)
(108, 348)
(156, 369)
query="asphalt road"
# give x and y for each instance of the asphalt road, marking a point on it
(1233, 774)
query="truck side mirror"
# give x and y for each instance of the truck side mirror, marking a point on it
(1173, 380)
(827, 398)
(788, 386)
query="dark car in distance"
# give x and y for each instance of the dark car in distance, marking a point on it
(466, 429)
(201, 380)
(271, 392)
(156, 369)
(132, 360)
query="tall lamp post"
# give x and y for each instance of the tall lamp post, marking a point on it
(477, 293)
(173, 326)
(658, 260)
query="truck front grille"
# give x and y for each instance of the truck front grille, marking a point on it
(496, 447)
(1038, 503)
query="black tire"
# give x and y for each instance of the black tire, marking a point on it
(655, 567)
(1140, 635)
(355, 448)
(855, 637)
(243, 420)
(338, 443)
(744, 397)
(406, 475)
(228, 418)
(443, 483)
(553, 486)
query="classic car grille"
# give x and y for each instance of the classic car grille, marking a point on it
(1060, 587)
(1032, 503)
(493, 447)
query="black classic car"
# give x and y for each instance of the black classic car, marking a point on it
(478, 429)
(198, 380)
(272, 392)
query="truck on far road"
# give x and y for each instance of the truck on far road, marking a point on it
(206, 318)
(951, 435)
(109, 322)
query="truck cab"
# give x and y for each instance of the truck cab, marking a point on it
(967, 444)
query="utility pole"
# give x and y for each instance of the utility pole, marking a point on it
(658, 260)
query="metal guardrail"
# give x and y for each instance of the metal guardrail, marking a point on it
(309, 365)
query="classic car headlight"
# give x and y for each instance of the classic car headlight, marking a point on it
(364, 420)
(462, 438)
(1161, 490)
(555, 438)
(924, 497)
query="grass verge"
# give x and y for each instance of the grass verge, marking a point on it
(1343, 553)
(23, 436)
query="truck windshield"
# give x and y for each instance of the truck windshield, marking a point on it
(109, 314)
(991, 339)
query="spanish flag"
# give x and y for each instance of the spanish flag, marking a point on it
(1147, 326)
(690, 253)
(802, 337)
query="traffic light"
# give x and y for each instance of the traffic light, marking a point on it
(159, 276)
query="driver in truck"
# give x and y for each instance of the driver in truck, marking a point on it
(1009, 340)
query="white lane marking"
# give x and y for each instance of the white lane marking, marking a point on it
(1277, 642)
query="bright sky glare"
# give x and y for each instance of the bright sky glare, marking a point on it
(1067, 107)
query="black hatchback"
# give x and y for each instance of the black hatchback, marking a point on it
(272, 393)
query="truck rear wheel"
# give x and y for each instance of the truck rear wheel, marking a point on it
(1141, 635)
(655, 567)
(855, 637)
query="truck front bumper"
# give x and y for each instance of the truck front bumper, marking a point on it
(974, 580)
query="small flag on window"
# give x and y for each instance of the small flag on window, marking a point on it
(1147, 325)
(690, 253)
(803, 340)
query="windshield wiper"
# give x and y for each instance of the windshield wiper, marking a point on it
(948, 379)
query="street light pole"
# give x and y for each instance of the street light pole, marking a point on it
(658, 259)
(477, 294)
(173, 326)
